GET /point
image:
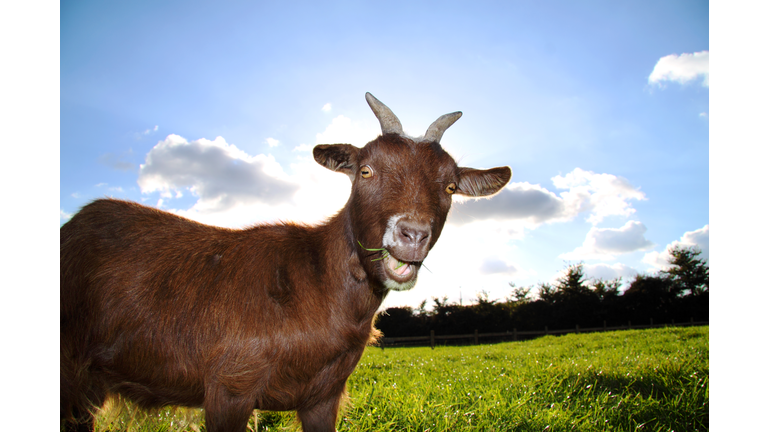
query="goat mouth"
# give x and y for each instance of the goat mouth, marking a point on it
(400, 271)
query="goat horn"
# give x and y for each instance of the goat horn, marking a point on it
(436, 129)
(389, 121)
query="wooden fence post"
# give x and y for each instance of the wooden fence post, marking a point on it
(514, 334)
(651, 322)
(605, 325)
(477, 340)
(432, 339)
(546, 330)
(629, 324)
(577, 328)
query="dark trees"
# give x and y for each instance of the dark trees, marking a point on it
(648, 297)
(676, 294)
(688, 274)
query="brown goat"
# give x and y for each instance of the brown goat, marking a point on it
(166, 311)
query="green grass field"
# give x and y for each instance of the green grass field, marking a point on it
(655, 380)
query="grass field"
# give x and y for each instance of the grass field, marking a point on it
(654, 380)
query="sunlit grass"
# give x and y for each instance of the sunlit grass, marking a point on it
(619, 381)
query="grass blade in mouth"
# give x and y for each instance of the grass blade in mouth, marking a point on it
(384, 255)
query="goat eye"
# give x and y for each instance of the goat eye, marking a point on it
(366, 172)
(451, 188)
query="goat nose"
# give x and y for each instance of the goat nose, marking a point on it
(413, 233)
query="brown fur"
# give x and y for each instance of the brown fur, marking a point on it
(163, 310)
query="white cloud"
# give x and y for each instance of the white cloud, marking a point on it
(698, 238)
(302, 148)
(343, 130)
(682, 68)
(608, 272)
(327, 107)
(524, 202)
(489, 226)
(220, 174)
(141, 135)
(529, 205)
(235, 189)
(606, 243)
(601, 195)
(273, 142)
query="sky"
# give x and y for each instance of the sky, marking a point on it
(210, 111)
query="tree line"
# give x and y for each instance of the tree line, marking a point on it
(677, 294)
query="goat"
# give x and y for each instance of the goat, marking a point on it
(163, 310)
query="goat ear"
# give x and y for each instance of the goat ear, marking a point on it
(337, 157)
(480, 183)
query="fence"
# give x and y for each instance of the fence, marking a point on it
(514, 335)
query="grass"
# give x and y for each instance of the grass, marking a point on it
(384, 255)
(655, 380)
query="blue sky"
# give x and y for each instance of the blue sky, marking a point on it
(209, 110)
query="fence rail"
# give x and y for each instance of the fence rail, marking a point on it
(514, 335)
